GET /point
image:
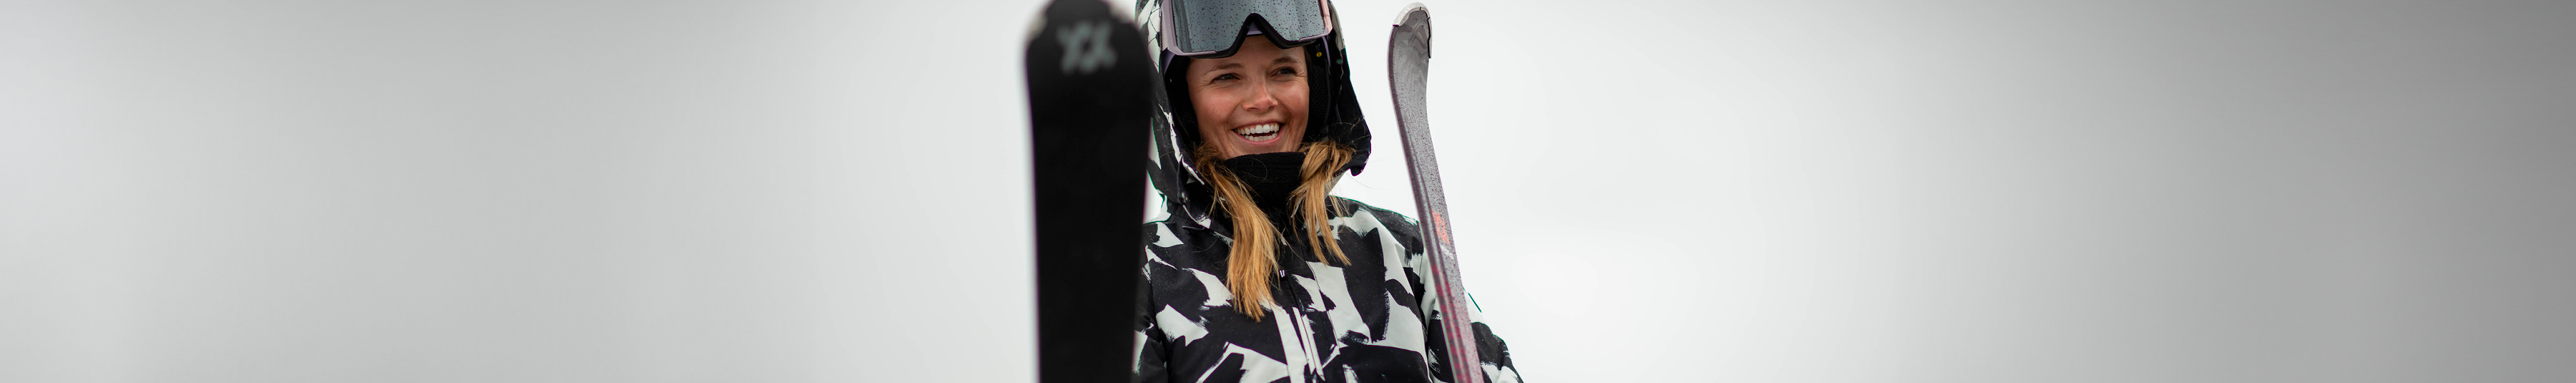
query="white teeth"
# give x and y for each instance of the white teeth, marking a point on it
(1257, 129)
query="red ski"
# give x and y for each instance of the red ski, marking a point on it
(1408, 60)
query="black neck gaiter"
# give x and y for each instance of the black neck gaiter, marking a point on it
(1272, 177)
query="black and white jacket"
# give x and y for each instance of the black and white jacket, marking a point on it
(1372, 320)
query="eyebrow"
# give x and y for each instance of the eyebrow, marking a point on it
(1282, 59)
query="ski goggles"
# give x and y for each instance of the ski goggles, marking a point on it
(1212, 28)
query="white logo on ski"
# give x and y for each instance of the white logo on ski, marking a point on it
(1086, 47)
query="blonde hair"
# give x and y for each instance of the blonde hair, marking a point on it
(1255, 251)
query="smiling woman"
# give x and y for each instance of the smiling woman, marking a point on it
(1254, 272)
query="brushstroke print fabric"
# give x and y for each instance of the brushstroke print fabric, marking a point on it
(1368, 321)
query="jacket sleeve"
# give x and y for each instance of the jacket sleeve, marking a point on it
(1151, 362)
(1496, 355)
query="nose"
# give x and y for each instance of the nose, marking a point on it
(1261, 99)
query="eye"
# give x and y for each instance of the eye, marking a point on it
(1223, 77)
(1285, 71)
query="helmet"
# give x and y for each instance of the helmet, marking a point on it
(1187, 29)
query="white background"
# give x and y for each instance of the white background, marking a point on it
(1812, 191)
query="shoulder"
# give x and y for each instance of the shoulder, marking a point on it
(1364, 219)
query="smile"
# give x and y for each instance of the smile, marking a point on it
(1259, 133)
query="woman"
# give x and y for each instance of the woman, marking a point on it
(1261, 124)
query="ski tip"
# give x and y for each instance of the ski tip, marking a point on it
(1037, 25)
(1409, 10)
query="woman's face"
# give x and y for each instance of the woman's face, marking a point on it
(1252, 102)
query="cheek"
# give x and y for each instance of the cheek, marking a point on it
(1209, 106)
(1294, 102)
(1212, 109)
(1293, 98)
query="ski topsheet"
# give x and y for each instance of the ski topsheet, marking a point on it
(1091, 86)
(1408, 60)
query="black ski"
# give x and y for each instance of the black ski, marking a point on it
(1091, 85)
(1408, 59)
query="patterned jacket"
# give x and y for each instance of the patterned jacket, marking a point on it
(1372, 320)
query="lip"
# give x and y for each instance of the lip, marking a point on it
(1274, 135)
